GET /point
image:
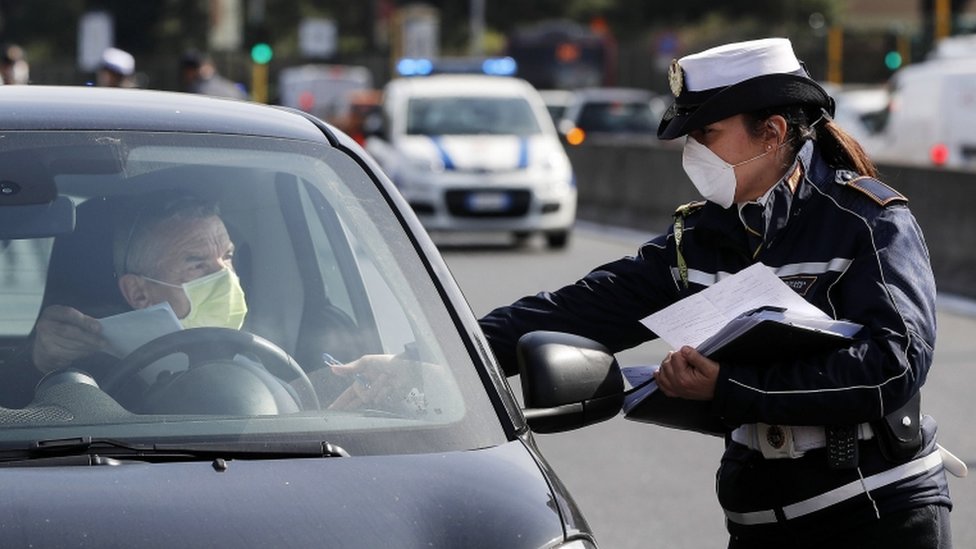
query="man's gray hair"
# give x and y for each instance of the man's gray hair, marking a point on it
(130, 250)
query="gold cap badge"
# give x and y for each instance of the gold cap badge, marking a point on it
(676, 77)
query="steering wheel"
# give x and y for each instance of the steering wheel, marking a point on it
(207, 345)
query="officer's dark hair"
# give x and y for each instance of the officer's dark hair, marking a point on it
(839, 149)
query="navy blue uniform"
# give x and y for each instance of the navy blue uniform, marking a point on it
(848, 245)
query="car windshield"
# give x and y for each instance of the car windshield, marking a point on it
(327, 276)
(470, 116)
(615, 116)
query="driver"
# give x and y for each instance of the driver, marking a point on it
(179, 252)
(176, 251)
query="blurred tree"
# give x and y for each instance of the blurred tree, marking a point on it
(158, 30)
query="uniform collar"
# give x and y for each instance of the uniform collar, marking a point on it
(780, 203)
(777, 201)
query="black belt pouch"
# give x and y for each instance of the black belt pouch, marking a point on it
(899, 433)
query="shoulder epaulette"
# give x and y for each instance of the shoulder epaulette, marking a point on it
(871, 187)
(685, 209)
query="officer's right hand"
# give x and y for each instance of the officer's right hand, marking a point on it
(686, 373)
(63, 335)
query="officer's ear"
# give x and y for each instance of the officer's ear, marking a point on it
(774, 130)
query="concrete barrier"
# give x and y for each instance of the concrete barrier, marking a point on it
(638, 185)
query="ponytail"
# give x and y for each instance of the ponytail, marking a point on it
(843, 151)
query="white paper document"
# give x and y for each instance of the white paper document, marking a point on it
(127, 332)
(695, 318)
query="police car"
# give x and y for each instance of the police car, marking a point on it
(476, 152)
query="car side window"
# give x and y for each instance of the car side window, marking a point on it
(23, 269)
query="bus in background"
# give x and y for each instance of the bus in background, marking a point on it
(563, 55)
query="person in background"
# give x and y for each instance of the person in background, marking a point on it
(828, 449)
(116, 69)
(199, 75)
(13, 65)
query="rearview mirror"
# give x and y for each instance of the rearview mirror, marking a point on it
(568, 381)
(37, 220)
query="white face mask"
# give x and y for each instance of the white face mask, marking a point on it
(713, 177)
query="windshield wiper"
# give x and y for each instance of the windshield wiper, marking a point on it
(112, 448)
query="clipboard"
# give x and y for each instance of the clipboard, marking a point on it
(759, 335)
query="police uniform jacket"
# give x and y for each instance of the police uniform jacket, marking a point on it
(850, 246)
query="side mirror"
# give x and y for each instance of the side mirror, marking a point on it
(568, 381)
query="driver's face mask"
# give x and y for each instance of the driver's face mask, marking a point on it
(216, 300)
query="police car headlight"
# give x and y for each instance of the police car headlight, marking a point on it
(555, 164)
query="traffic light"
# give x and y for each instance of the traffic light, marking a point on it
(896, 49)
(261, 53)
(892, 60)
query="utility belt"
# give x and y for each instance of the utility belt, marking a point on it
(899, 437)
(840, 494)
(794, 441)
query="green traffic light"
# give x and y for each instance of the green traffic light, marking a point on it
(261, 53)
(892, 60)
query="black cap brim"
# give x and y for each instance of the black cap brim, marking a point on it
(761, 92)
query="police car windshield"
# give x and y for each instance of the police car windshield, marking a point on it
(471, 115)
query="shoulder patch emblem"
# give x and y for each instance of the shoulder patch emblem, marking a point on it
(874, 189)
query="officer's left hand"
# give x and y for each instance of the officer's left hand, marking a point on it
(686, 373)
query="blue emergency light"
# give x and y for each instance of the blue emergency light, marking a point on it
(493, 66)
(500, 66)
(414, 67)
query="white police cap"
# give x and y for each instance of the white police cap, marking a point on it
(736, 78)
(118, 61)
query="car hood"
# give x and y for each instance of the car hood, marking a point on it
(494, 497)
(479, 153)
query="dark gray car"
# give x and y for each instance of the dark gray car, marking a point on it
(173, 436)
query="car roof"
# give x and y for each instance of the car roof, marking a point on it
(459, 84)
(90, 108)
(613, 94)
(556, 97)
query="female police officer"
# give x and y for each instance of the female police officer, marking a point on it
(825, 450)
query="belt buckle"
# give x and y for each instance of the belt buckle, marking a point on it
(776, 441)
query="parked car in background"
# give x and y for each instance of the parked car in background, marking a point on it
(476, 153)
(342, 95)
(611, 112)
(556, 102)
(860, 110)
(356, 407)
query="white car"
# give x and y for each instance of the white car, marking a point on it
(931, 117)
(476, 153)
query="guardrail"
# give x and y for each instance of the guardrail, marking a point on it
(639, 184)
